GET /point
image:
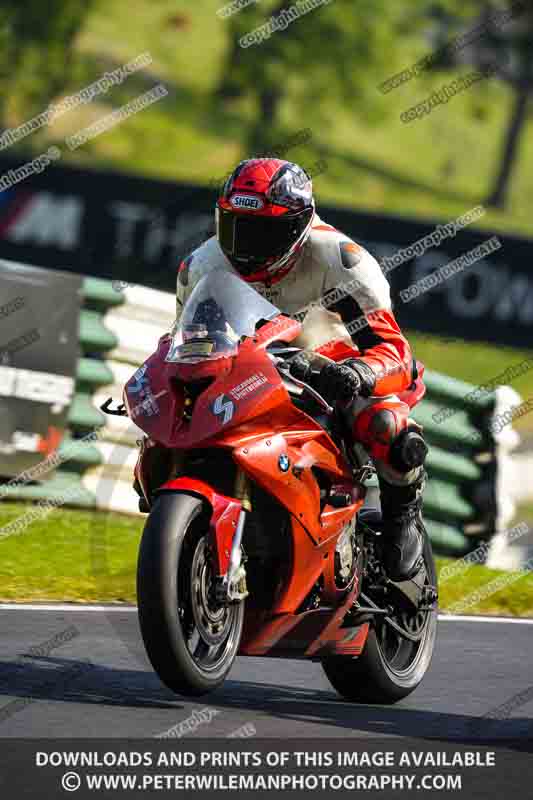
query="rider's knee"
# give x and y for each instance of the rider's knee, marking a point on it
(383, 427)
(408, 450)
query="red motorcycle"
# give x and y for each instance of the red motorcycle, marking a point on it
(257, 541)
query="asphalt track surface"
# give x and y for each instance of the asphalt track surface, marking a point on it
(100, 684)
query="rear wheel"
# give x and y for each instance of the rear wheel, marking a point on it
(396, 656)
(190, 638)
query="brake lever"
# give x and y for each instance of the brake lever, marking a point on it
(283, 351)
(309, 389)
(119, 411)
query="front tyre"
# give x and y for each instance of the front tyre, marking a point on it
(190, 638)
(391, 666)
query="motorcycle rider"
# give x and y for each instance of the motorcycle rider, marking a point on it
(268, 232)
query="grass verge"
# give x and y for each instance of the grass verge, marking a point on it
(90, 556)
(78, 556)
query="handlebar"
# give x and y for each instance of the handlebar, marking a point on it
(282, 367)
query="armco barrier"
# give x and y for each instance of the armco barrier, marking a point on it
(79, 457)
(467, 497)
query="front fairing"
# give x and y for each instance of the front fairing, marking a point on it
(252, 388)
(153, 398)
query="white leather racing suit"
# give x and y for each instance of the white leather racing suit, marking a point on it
(333, 272)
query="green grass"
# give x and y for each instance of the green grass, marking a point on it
(514, 599)
(90, 556)
(525, 511)
(70, 555)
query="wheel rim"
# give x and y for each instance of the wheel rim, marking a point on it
(210, 629)
(400, 654)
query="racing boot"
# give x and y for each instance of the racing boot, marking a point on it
(403, 531)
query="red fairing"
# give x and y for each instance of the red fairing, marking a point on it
(224, 517)
(153, 399)
(248, 412)
(252, 389)
(249, 389)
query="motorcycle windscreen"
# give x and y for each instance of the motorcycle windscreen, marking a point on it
(220, 311)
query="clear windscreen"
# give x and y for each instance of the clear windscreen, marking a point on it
(221, 309)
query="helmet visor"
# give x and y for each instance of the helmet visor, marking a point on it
(259, 238)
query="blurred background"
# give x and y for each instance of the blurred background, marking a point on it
(123, 199)
(320, 75)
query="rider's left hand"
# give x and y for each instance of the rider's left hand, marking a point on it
(337, 383)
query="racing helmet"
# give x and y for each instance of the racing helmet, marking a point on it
(264, 216)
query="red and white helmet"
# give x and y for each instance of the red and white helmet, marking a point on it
(264, 217)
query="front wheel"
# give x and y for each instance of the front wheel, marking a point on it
(190, 638)
(391, 665)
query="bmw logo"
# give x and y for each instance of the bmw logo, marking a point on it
(283, 462)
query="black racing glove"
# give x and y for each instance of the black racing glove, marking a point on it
(337, 383)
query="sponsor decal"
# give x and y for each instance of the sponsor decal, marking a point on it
(249, 386)
(149, 405)
(140, 385)
(195, 348)
(140, 380)
(249, 201)
(223, 406)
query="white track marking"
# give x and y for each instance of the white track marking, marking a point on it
(474, 618)
(130, 608)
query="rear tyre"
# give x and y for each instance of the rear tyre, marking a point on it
(390, 666)
(191, 640)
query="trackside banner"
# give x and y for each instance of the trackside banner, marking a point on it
(39, 318)
(448, 276)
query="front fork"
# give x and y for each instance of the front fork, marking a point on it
(232, 588)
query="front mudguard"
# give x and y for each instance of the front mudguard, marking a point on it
(225, 512)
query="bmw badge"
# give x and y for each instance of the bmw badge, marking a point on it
(283, 462)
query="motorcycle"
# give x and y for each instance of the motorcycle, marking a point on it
(258, 540)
